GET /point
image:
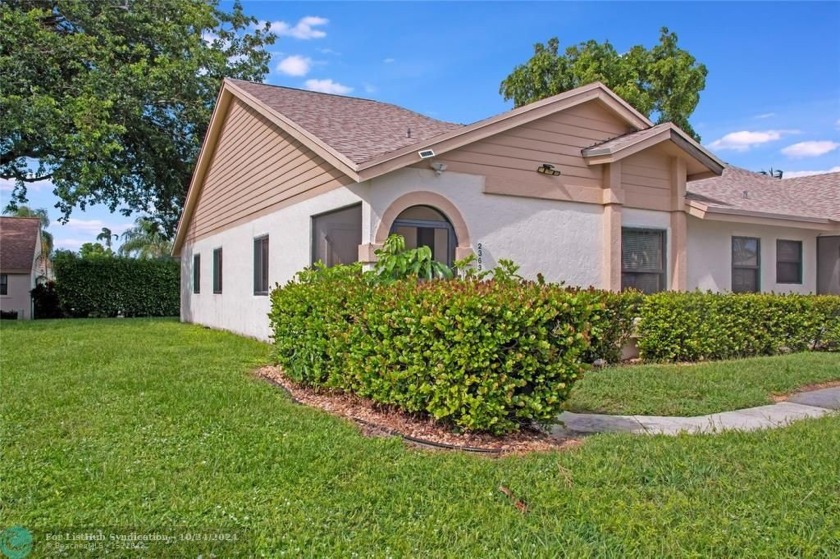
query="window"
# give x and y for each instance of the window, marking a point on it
(426, 226)
(197, 273)
(643, 259)
(217, 270)
(788, 261)
(261, 265)
(4, 284)
(336, 236)
(746, 265)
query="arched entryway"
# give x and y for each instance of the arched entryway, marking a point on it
(426, 219)
(426, 226)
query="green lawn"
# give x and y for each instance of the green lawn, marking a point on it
(151, 426)
(702, 388)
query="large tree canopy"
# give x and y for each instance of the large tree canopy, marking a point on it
(663, 82)
(110, 99)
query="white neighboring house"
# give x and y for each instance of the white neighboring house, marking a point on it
(21, 263)
(580, 187)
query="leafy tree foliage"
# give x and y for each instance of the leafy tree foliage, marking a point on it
(664, 81)
(109, 100)
(93, 251)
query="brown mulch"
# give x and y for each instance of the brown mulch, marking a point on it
(807, 388)
(377, 420)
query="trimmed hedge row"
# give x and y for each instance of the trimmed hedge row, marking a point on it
(702, 326)
(107, 287)
(478, 355)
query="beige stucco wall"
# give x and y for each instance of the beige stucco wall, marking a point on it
(559, 239)
(710, 255)
(18, 298)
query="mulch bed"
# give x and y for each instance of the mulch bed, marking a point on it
(377, 420)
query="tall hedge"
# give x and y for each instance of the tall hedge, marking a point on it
(478, 355)
(704, 326)
(107, 287)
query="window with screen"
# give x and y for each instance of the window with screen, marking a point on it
(336, 236)
(217, 270)
(197, 273)
(4, 284)
(746, 265)
(261, 265)
(788, 261)
(643, 259)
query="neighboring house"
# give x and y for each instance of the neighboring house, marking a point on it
(20, 262)
(579, 186)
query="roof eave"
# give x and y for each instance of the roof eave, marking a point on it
(714, 213)
(606, 154)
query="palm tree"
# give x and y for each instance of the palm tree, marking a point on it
(145, 240)
(775, 173)
(107, 237)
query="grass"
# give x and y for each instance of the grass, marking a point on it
(152, 426)
(700, 389)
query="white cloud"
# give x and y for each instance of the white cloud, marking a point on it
(71, 244)
(7, 185)
(810, 149)
(765, 115)
(94, 226)
(370, 88)
(295, 65)
(745, 139)
(329, 51)
(794, 174)
(327, 86)
(837, 124)
(389, 60)
(303, 29)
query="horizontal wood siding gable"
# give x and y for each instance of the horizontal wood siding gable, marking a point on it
(646, 178)
(256, 168)
(509, 160)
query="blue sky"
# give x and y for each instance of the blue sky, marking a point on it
(772, 96)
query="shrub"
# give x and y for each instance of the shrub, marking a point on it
(46, 301)
(8, 315)
(617, 313)
(478, 355)
(105, 287)
(701, 326)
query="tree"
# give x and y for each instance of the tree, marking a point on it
(107, 237)
(95, 250)
(775, 173)
(145, 240)
(109, 100)
(664, 81)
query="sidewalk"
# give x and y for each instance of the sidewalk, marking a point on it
(799, 406)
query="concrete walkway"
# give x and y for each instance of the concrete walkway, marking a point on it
(799, 406)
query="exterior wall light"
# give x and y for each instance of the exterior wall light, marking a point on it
(548, 169)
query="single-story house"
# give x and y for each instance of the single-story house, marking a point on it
(20, 263)
(580, 187)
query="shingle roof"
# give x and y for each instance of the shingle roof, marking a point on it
(18, 239)
(359, 129)
(816, 196)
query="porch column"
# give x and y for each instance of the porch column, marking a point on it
(678, 257)
(613, 198)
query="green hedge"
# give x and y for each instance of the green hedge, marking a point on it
(106, 287)
(478, 355)
(703, 326)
